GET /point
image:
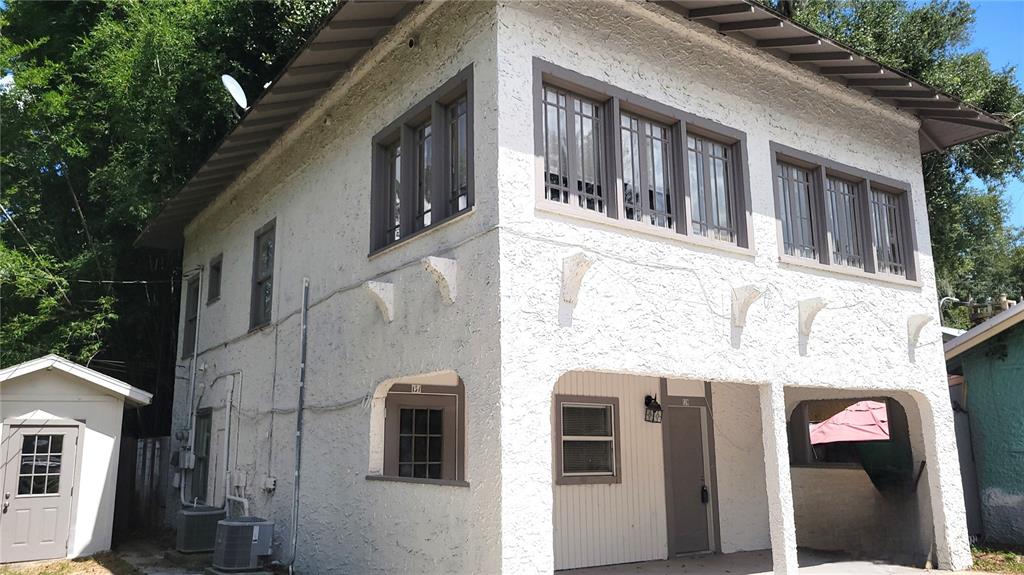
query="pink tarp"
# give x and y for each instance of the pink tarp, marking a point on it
(862, 421)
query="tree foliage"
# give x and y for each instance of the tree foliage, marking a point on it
(977, 253)
(105, 110)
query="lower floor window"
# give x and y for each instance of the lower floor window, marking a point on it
(423, 432)
(587, 443)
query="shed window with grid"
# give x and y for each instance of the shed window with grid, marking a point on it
(587, 440)
(188, 339)
(713, 189)
(423, 433)
(796, 210)
(435, 181)
(889, 233)
(40, 465)
(262, 277)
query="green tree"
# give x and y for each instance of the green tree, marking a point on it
(977, 253)
(105, 110)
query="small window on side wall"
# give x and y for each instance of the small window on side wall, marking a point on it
(423, 432)
(587, 440)
(213, 289)
(188, 340)
(423, 166)
(262, 277)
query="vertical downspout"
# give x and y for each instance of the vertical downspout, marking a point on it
(192, 379)
(298, 425)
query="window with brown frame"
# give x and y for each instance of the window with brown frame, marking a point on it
(613, 153)
(216, 271)
(188, 340)
(435, 181)
(262, 302)
(796, 210)
(837, 215)
(587, 440)
(423, 432)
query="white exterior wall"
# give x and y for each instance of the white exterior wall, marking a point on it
(316, 183)
(649, 306)
(56, 394)
(655, 306)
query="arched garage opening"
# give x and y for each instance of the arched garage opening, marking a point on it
(858, 479)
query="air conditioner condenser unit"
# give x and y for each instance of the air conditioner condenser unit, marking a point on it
(242, 542)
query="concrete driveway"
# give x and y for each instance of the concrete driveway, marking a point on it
(755, 563)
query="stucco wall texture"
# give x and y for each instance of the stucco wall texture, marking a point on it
(649, 306)
(994, 372)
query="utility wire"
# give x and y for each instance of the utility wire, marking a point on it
(10, 219)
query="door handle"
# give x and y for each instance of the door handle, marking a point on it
(704, 496)
(5, 507)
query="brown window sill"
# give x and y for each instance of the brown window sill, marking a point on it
(424, 481)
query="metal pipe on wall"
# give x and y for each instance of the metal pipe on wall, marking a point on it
(298, 424)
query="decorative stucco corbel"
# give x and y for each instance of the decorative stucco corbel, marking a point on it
(809, 308)
(384, 294)
(574, 268)
(444, 272)
(915, 324)
(742, 298)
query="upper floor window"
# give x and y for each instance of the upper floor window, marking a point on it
(796, 210)
(213, 290)
(434, 182)
(712, 188)
(188, 340)
(610, 153)
(647, 178)
(574, 138)
(844, 220)
(262, 277)
(889, 233)
(838, 215)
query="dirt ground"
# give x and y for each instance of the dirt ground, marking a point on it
(999, 560)
(101, 564)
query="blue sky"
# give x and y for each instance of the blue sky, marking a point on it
(999, 31)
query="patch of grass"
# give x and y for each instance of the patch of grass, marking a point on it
(99, 564)
(998, 560)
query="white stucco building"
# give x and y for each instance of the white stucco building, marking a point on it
(516, 222)
(61, 430)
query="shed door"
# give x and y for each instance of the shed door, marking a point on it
(38, 475)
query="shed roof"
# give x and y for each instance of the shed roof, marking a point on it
(355, 27)
(984, 331)
(115, 387)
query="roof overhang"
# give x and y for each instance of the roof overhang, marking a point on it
(347, 34)
(984, 331)
(945, 121)
(115, 387)
(356, 26)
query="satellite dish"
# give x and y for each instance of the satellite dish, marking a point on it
(235, 90)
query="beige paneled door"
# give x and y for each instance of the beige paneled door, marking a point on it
(38, 476)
